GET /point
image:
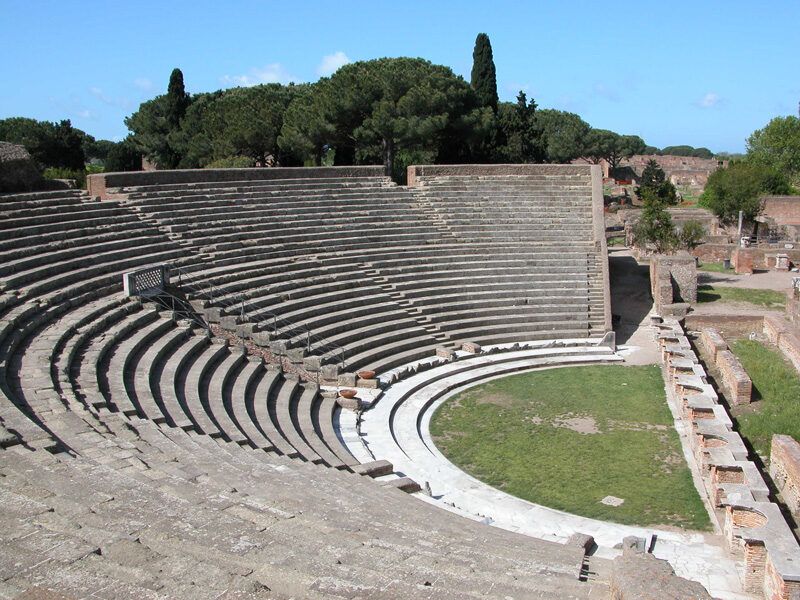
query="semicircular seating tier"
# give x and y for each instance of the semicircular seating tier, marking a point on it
(150, 454)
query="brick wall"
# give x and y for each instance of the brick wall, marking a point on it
(734, 378)
(784, 467)
(712, 342)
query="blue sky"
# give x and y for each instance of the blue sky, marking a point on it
(705, 73)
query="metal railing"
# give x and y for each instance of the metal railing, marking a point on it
(206, 292)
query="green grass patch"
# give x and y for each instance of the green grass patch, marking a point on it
(776, 392)
(715, 268)
(765, 298)
(566, 438)
(615, 241)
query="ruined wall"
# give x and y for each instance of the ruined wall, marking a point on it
(673, 281)
(784, 210)
(784, 468)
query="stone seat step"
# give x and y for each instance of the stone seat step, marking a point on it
(48, 255)
(389, 330)
(123, 362)
(502, 332)
(49, 268)
(146, 380)
(325, 416)
(292, 215)
(72, 283)
(208, 188)
(454, 285)
(24, 199)
(194, 392)
(284, 407)
(376, 350)
(307, 424)
(263, 412)
(13, 248)
(55, 225)
(242, 401)
(340, 321)
(532, 321)
(93, 365)
(479, 274)
(219, 387)
(172, 378)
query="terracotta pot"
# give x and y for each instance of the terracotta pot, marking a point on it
(366, 374)
(348, 393)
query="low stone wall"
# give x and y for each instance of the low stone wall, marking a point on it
(712, 342)
(746, 260)
(780, 333)
(714, 252)
(100, 184)
(734, 378)
(673, 283)
(753, 525)
(784, 468)
(729, 326)
(415, 172)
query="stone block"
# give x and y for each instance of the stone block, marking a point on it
(633, 545)
(371, 384)
(229, 322)
(346, 380)
(261, 338)
(278, 347)
(311, 364)
(471, 347)
(444, 353)
(296, 355)
(581, 540)
(349, 403)
(376, 468)
(329, 373)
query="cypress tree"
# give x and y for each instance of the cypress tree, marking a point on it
(484, 78)
(177, 99)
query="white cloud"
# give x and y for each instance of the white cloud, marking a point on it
(710, 100)
(143, 83)
(331, 63)
(120, 102)
(272, 73)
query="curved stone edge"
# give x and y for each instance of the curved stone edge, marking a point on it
(689, 554)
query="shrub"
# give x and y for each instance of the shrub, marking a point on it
(740, 187)
(231, 162)
(63, 173)
(691, 235)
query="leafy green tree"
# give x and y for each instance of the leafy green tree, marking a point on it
(564, 135)
(177, 99)
(52, 145)
(248, 121)
(687, 151)
(156, 126)
(613, 147)
(654, 179)
(97, 149)
(483, 78)
(123, 156)
(306, 132)
(654, 227)
(521, 132)
(376, 108)
(778, 145)
(149, 130)
(740, 187)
